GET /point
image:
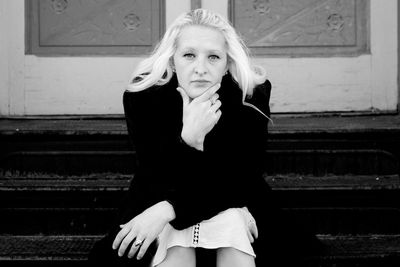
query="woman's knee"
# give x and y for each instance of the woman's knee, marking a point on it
(179, 256)
(182, 253)
(233, 257)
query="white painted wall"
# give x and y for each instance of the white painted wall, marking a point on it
(4, 83)
(31, 85)
(12, 58)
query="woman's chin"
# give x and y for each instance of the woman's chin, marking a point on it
(195, 92)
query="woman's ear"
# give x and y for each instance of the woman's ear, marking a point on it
(226, 68)
(228, 65)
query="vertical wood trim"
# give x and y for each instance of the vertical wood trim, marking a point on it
(231, 10)
(384, 69)
(195, 4)
(174, 8)
(398, 58)
(365, 38)
(220, 7)
(16, 56)
(4, 56)
(27, 27)
(160, 13)
(33, 25)
(162, 20)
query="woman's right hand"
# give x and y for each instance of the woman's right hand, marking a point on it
(199, 116)
(144, 229)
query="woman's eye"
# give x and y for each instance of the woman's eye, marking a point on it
(189, 55)
(213, 57)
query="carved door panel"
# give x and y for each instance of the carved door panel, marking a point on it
(95, 26)
(303, 26)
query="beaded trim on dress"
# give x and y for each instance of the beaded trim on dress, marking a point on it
(196, 234)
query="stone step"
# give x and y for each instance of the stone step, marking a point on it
(360, 145)
(54, 204)
(342, 250)
(37, 181)
(318, 162)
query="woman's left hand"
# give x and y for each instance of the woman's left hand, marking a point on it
(144, 229)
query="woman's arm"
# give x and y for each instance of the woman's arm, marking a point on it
(148, 190)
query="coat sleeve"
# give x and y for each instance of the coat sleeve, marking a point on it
(151, 183)
(161, 157)
(198, 186)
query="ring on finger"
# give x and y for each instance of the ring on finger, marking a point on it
(138, 242)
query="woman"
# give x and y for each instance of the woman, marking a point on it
(197, 112)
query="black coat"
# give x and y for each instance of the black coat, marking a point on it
(200, 184)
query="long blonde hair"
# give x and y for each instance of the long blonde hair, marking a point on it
(157, 68)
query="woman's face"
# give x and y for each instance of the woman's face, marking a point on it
(200, 59)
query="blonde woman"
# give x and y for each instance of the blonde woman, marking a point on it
(197, 113)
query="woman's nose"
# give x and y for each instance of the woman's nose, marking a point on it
(200, 67)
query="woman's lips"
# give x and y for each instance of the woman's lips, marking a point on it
(201, 82)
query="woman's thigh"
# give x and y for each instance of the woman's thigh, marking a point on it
(179, 257)
(233, 257)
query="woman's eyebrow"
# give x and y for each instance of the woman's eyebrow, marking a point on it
(187, 49)
(191, 48)
(215, 51)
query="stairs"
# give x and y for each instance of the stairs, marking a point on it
(61, 182)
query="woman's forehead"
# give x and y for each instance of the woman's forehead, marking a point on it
(201, 37)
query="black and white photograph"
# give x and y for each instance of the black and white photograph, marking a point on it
(199, 133)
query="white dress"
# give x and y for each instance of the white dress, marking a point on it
(234, 227)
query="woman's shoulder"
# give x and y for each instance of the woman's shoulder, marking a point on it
(154, 99)
(150, 92)
(261, 97)
(259, 100)
(134, 100)
(153, 92)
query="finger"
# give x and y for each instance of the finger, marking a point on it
(208, 93)
(185, 97)
(120, 236)
(125, 243)
(250, 236)
(214, 98)
(216, 106)
(255, 231)
(136, 245)
(218, 114)
(144, 247)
